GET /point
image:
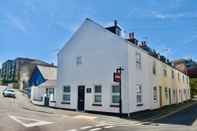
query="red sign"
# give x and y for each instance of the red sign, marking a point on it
(117, 77)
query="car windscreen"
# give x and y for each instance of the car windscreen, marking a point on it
(10, 90)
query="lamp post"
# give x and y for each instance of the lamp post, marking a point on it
(119, 70)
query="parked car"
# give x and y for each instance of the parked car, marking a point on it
(9, 93)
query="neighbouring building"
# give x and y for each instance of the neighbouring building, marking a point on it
(42, 84)
(188, 66)
(86, 65)
(8, 71)
(19, 70)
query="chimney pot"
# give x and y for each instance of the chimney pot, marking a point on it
(115, 23)
(131, 35)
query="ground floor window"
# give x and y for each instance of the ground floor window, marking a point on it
(66, 94)
(98, 94)
(139, 94)
(155, 94)
(50, 93)
(115, 94)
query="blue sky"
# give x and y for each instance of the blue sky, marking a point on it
(39, 28)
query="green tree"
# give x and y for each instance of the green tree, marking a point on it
(193, 85)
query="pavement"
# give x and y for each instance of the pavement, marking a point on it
(14, 116)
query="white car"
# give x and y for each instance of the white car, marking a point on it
(9, 93)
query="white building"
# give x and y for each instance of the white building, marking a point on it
(43, 83)
(85, 74)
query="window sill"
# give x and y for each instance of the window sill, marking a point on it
(52, 101)
(97, 104)
(139, 104)
(65, 103)
(114, 105)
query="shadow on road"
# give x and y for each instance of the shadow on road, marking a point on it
(185, 117)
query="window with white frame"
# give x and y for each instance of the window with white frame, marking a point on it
(183, 78)
(138, 60)
(154, 67)
(139, 94)
(115, 94)
(172, 74)
(98, 94)
(79, 60)
(165, 72)
(155, 94)
(66, 94)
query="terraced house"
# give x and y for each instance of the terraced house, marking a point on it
(86, 65)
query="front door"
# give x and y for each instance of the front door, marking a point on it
(170, 96)
(160, 96)
(81, 98)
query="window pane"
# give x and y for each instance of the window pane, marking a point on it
(67, 89)
(139, 89)
(155, 93)
(97, 99)
(66, 97)
(139, 99)
(115, 89)
(116, 99)
(97, 89)
(154, 68)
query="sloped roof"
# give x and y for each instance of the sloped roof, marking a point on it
(48, 84)
(49, 73)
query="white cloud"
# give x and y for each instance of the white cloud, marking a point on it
(17, 23)
(173, 15)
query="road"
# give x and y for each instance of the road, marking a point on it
(13, 117)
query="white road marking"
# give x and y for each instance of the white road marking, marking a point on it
(85, 127)
(72, 130)
(96, 129)
(107, 127)
(85, 117)
(33, 123)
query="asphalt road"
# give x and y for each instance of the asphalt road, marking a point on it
(15, 118)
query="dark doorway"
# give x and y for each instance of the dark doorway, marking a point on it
(81, 98)
(160, 96)
(46, 101)
(170, 99)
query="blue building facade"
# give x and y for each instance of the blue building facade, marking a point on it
(36, 79)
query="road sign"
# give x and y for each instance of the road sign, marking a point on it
(117, 76)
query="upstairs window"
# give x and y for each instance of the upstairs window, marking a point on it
(138, 60)
(165, 72)
(172, 74)
(154, 68)
(183, 78)
(79, 60)
(178, 76)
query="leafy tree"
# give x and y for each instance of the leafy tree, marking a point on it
(193, 85)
